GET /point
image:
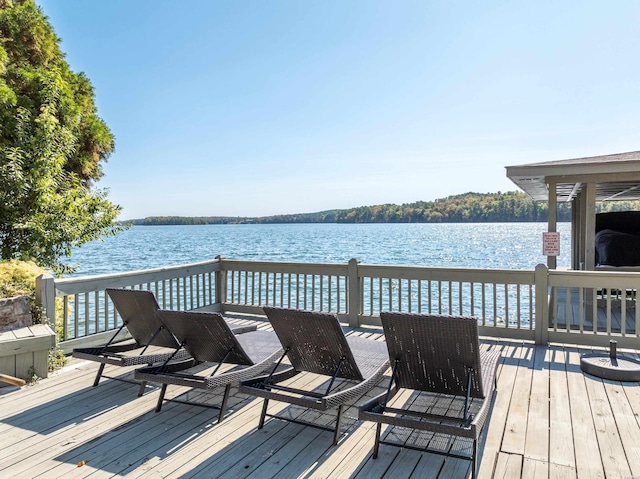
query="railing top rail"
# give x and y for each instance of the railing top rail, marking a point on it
(431, 272)
(75, 285)
(248, 265)
(597, 273)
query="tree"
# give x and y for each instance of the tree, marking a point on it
(52, 144)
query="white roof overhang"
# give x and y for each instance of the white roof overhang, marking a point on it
(617, 177)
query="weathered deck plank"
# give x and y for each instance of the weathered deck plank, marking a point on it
(515, 434)
(511, 355)
(537, 435)
(561, 451)
(609, 442)
(588, 427)
(587, 451)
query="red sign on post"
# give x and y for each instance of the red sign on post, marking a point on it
(551, 243)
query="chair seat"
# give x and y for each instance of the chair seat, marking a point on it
(129, 354)
(218, 356)
(371, 358)
(434, 412)
(314, 343)
(262, 346)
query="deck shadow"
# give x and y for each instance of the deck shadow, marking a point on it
(80, 406)
(412, 460)
(156, 436)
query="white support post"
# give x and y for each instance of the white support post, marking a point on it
(542, 304)
(590, 228)
(552, 219)
(221, 284)
(46, 298)
(354, 306)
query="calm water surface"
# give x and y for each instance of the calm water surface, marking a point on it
(475, 245)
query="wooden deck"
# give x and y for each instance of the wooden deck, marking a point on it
(548, 420)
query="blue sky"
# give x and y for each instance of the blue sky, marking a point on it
(253, 108)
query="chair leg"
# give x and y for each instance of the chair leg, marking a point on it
(264, 413)
(474, 459)
(100, 370)
(143, 386)
(376, 445)
(161, 398)
(336, 433)
(223, 406)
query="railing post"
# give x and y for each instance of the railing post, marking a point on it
(354, 306)
(46, 298)
(542, 304)
(221, 284)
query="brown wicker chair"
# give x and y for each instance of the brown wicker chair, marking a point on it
(150, 343)
(438, 359)
(314, 342)
(150, 340)
(211, 343)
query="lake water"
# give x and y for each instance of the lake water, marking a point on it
(475, 245)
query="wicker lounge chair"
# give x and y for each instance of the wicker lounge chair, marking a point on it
(314, 342)
(211, 343)
(438, 359)
(150, 341)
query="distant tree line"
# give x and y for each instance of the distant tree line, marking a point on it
(498, 207)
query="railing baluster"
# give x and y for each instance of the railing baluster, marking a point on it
(255, 284)
(506, 306)
(623, 312)
(472, 292)
(106, 310)
(518, 318)
(76, 315)
(65, 322)
(608, 313)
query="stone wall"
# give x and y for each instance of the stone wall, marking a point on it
(15, 313)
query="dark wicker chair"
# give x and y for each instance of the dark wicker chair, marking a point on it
(438, 359)
(150, 341)
(211, 343)
(314, 342)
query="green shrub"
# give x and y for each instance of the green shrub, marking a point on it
(18, 278)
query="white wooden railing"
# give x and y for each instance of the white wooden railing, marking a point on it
(517, 304)
(84, 315)
(591, 307)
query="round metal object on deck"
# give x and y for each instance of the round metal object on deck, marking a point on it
(611, 366)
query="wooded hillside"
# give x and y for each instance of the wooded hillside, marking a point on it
(498, 207)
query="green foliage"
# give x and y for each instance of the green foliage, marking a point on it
(57, 359)
(18, 278)
(32, 376)
(466, 208)
(52, 144)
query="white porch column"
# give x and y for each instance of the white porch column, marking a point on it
(553, 220)
(590, 228)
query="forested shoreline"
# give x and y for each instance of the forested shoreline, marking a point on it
(498, 207)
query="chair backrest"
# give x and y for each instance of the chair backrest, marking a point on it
(139, 311)
(434, 352)
(206, 336)
(315, 342)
